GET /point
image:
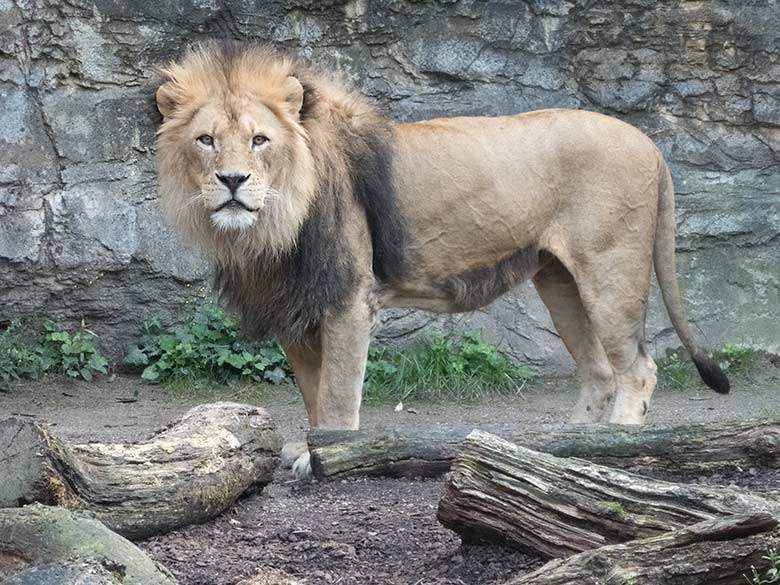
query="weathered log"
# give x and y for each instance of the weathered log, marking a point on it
(186, 474)
(65, 573)
(37, 535)
(668, 451)
(557, 506)
(713, 552)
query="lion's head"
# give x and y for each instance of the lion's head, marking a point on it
(264, 160)
(233, 158)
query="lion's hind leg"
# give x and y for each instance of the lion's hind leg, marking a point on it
(558, 290)
(616, 304)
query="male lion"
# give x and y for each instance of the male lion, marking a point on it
(318, 212)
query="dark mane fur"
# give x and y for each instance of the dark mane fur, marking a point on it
(288, 296)
(369, 152)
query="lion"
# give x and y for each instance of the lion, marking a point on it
(318, 211)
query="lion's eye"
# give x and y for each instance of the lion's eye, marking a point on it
(206, 140)
(259, 140)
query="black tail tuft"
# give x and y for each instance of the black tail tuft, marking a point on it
(711, 373)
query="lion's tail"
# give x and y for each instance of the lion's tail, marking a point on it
(666, 272)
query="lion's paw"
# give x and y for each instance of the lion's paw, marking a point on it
(291, 452)
(302, 467)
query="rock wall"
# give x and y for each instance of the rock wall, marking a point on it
(81, 236)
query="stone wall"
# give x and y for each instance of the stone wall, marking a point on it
(81, 236)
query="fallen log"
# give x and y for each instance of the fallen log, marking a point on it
(65, 573)
(713, 552)
(665, 451)
(188, 473)
(38, 535)
(498, 491)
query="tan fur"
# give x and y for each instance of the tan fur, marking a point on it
(568, 198)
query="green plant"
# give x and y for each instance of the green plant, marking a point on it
(207, 346)
(28, 352)
(674, 370)
(77, 355)
(18, 358)
(735, 357)
(440, 367)
(772, 573)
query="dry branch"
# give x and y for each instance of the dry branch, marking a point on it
(556, 506)
(713, 552)
(45, 535)
(186, 474)
(668, 451)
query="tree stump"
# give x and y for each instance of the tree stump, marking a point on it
(713, 552)
(47, 535)
(190, 472)
(557, 507)
(665, 451)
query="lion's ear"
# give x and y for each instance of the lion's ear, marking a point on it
(166, 99)
(293, 95)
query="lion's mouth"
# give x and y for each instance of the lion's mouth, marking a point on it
(234, 204)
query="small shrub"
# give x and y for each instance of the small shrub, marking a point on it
(76, 355)
(207, 346)
(735, 358)
(675, 370)
(28, 352)
(18, 359)
(442, 368)
(772, 573)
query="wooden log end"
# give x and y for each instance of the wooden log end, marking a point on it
(30, 456)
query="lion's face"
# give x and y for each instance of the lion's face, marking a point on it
(235, 149)
(233, 160)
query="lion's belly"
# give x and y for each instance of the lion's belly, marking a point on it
(444, 289)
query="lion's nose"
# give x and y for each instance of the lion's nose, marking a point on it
(232, 182)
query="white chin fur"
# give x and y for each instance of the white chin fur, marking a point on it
(227, 220)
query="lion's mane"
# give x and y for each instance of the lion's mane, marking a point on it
(287, 290)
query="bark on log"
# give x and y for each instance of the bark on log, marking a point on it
(713, 552)
(186, 474)
(556, 506)
(65, 573)
(668, 451)
(37, 535)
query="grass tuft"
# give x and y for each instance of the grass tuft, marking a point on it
(735, 358)
(440, 368)
(676, 371)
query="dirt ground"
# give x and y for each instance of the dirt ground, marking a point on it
(350, 532)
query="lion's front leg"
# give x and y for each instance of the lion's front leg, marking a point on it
(345, 338)
(305, 357)
(329, 369)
